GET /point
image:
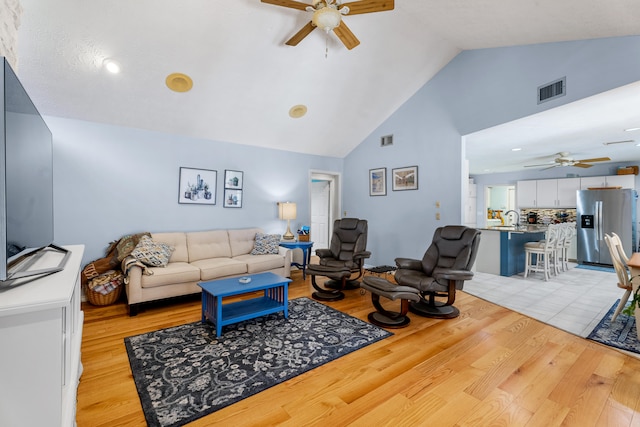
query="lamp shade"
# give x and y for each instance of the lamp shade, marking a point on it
(287, 210)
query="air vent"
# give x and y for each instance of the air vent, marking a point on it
(552, 90)
(386, 140)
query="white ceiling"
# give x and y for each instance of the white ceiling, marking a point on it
(246, 79)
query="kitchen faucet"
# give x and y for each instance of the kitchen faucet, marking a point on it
(517, 224)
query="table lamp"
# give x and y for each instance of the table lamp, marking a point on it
(287, 210)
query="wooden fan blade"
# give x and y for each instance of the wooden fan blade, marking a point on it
(304, 32)
(346, 36)
(288, 3)
(582, 165)
(368, 6)
(597, 159)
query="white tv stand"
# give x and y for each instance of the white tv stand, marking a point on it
(40, 336)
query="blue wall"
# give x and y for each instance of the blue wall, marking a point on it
(110, 181)
(476, 90)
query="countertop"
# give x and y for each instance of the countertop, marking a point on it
(538, 228)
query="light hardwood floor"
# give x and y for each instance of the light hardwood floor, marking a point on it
(490, 366)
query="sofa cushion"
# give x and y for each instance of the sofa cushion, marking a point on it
(242, 240)
(174, 272)
(179, 243)
(208, 244)
(266, 244)
(260, 263)
(215, 268)
(151, 253)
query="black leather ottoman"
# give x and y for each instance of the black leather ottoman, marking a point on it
(335, 273)
(382, 287)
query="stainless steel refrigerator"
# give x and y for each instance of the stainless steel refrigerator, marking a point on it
(601, 212)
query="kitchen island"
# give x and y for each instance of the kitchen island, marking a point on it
(501, 250)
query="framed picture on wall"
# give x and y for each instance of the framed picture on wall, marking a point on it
(378, 182)
(233, 179)
(405, 178)
(232, 198)
(197, 186)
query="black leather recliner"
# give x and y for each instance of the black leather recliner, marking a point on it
(345, 256)
(441, 271)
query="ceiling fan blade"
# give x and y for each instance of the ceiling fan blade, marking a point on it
(287, 3)
(537, 166)
(368, 6)
(582, 165)
(346, 36)
(304, 32)
(597, 159)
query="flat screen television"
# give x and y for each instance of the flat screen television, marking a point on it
(26, 183)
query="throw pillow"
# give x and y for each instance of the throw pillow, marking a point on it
(266, 244)
(154, 254)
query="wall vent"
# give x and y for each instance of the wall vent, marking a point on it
(552, 90)
(386, 140)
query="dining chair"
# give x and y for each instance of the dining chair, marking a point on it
(539, 256)
(622, 271)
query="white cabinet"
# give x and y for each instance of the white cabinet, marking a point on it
(546, 193)
(526, 194)
(567, 192)
(471, 206)
(624, 181)
(41, 331)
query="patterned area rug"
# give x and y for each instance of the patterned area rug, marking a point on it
(185, 372)
(596, 267)
(619, 334)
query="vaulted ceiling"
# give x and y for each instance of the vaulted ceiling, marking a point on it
(246, 80)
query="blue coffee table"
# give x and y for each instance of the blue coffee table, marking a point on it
(274, 299)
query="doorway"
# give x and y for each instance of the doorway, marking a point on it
(325, 206)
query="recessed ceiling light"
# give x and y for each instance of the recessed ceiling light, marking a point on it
(111, 65)
(298, 111)
(516, 149)
(631, 129)
(179, 82)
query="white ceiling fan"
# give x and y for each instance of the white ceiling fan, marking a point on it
(563, 159)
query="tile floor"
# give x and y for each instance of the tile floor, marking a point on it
(574, 301)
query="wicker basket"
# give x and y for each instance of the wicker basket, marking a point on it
(303, 237)
(97, 298)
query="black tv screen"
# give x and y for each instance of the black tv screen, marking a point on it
(27, 196)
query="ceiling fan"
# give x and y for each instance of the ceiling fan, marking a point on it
(327, 15)
(563, 159)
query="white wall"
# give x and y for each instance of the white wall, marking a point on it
(110, 181)
(476, 90)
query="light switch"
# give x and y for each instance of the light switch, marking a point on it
(438, 216)
(437, 205)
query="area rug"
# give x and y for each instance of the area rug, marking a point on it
(185, 372)
(619, 334)
(596, 267)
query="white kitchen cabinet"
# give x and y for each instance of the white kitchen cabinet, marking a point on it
(526, 194)
(546, 193)
(624, 181)
(41, 331)
(567, 188)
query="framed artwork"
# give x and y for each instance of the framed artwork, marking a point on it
(405, 178)
(232, 198)
(378, 182)
(233, 179)
(197, 186)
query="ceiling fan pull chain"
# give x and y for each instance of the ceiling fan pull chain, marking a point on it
(326, 45)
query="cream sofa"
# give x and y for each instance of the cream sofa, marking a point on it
(201, 256)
